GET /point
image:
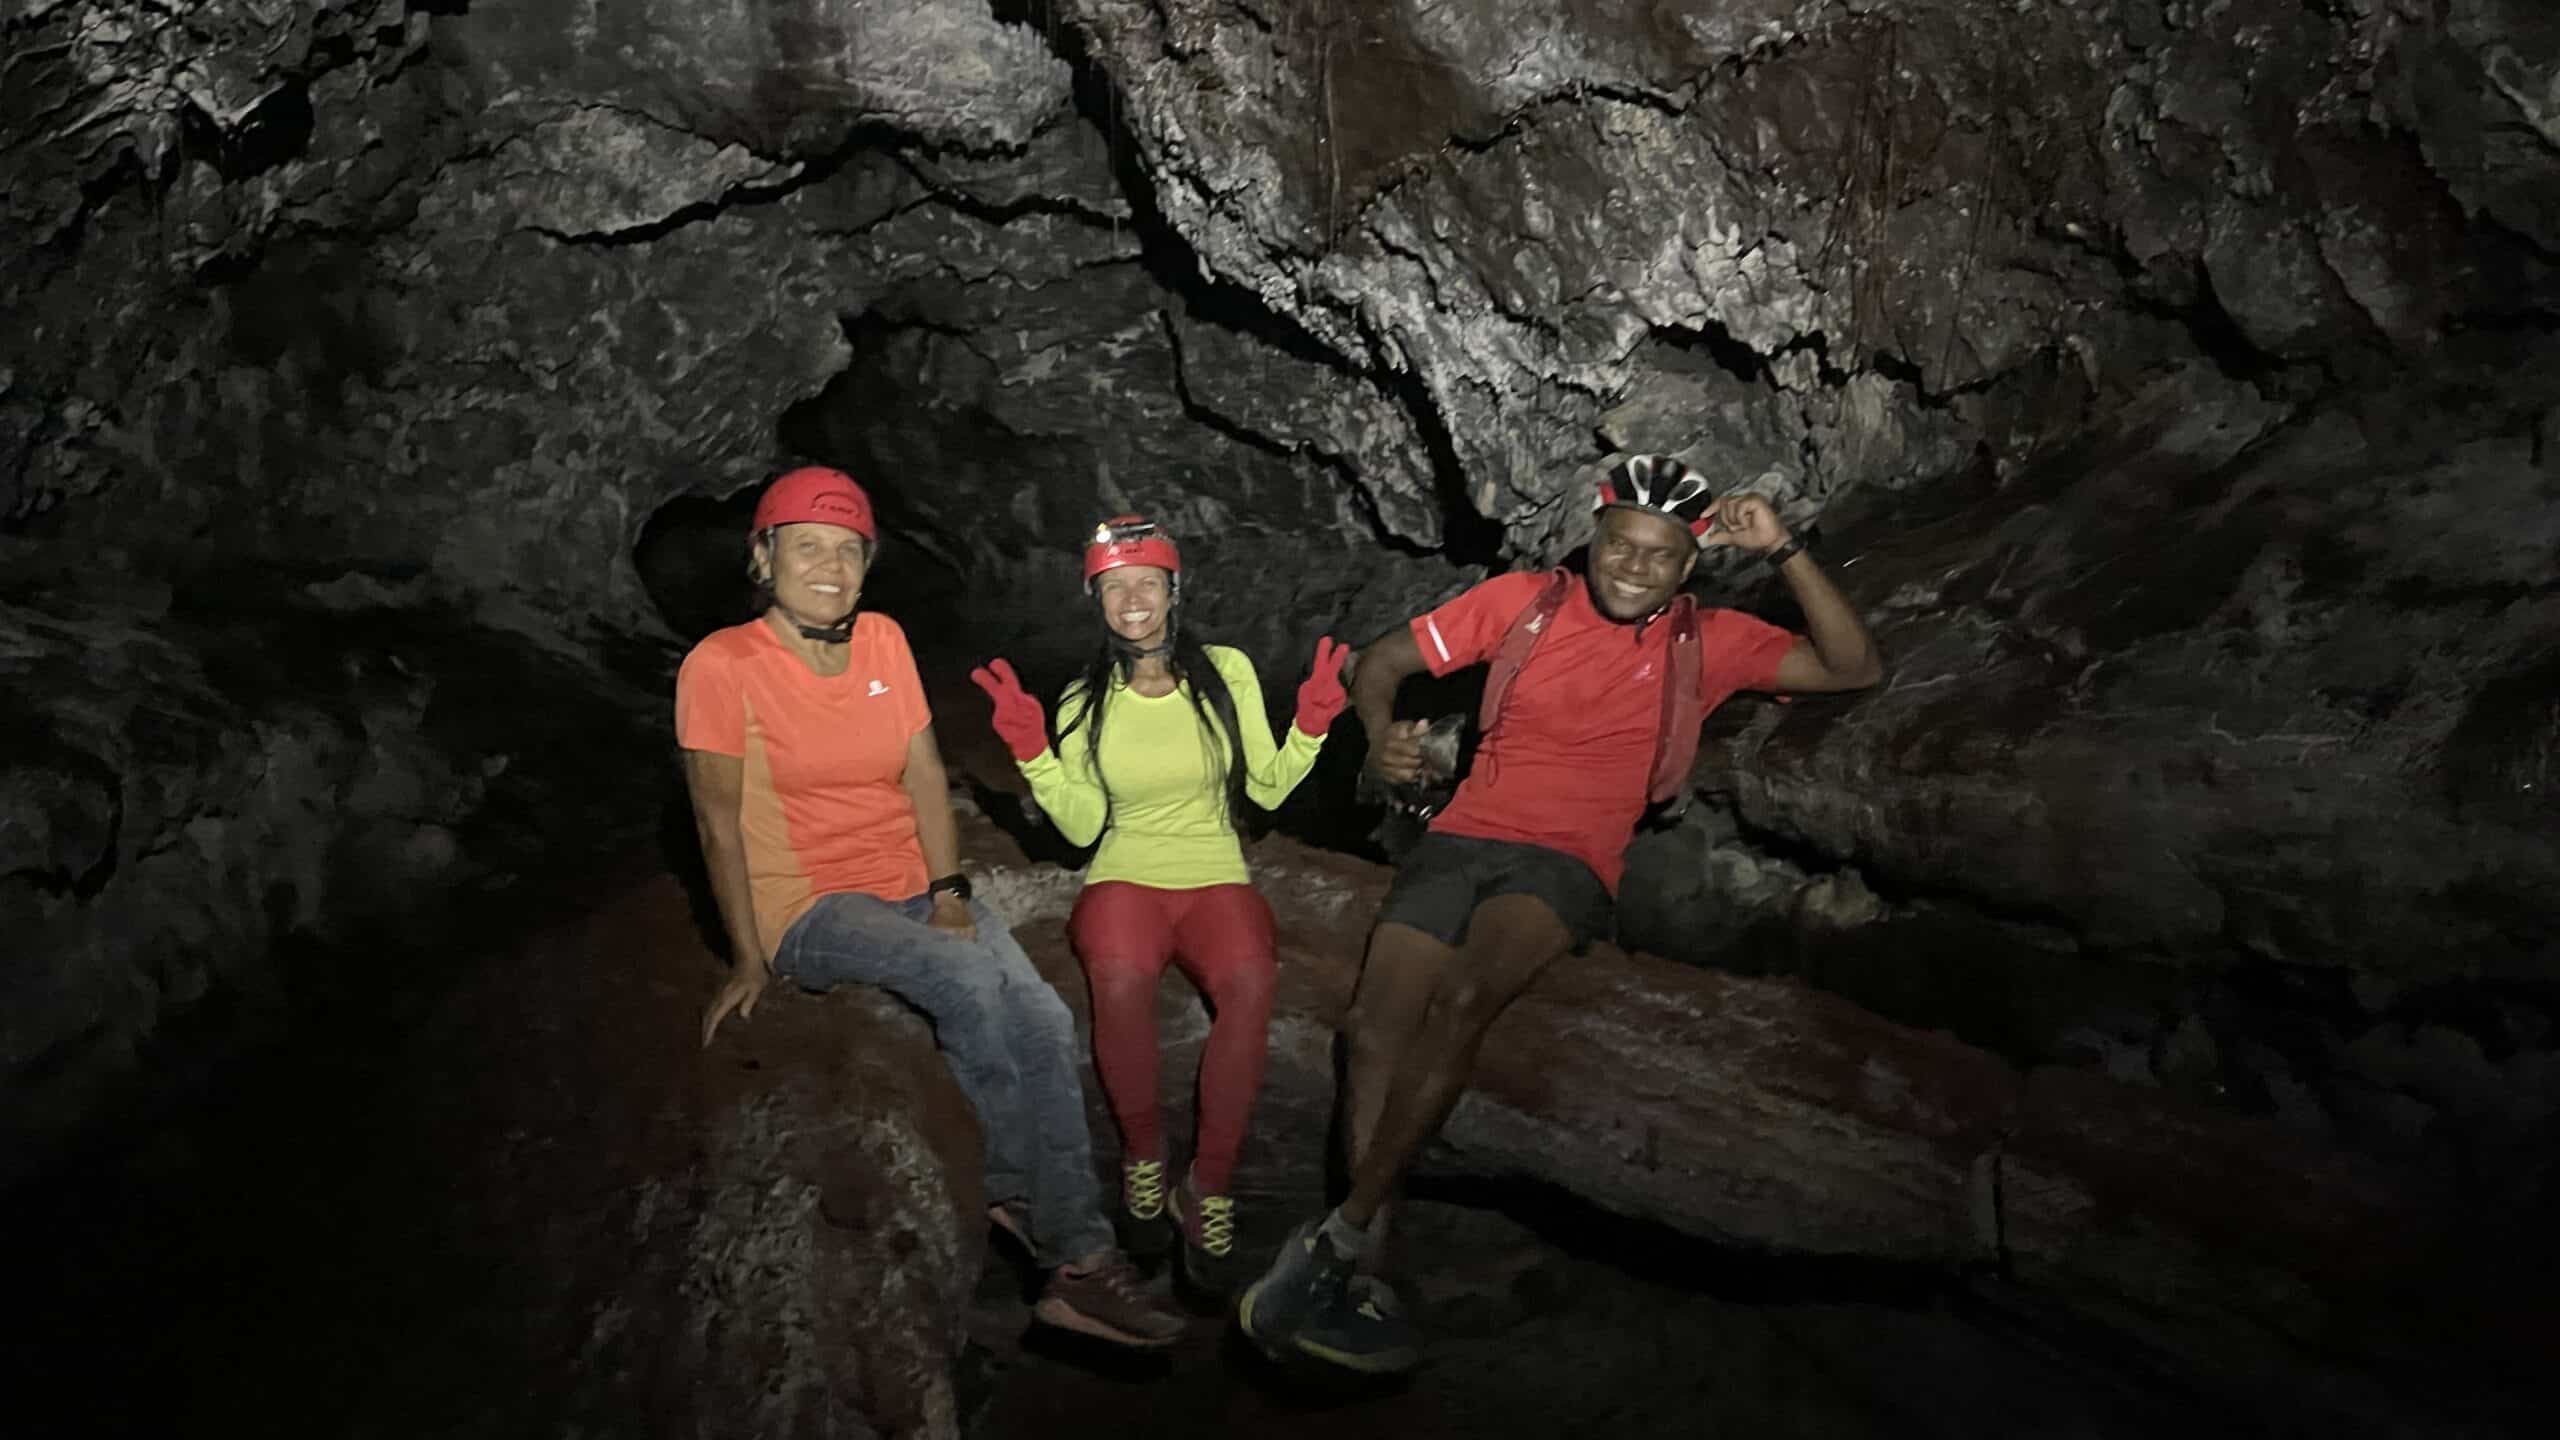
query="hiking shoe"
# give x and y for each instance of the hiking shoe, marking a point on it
(1142, 1190)
(1109, 1302)
(1365, 1331)
(1208, 1227)
(1305, 1281)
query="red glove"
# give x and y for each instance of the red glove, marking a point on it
(1320, 699)
(1019, 719)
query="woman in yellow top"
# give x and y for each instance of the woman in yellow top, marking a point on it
(1161, 768)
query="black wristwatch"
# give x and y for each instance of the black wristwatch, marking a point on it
(954, 884)
(1786, 552)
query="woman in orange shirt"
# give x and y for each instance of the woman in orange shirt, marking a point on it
(826, 821)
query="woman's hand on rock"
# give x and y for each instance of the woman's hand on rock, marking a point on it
(744, 988)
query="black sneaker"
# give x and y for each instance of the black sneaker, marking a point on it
(1142, 1190)
(1140, 1223)
(1207, 1224)
(1365, 1330)
(1305, 1282)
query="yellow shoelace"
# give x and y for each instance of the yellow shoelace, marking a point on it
(1217, 1225)
(1142, 1188)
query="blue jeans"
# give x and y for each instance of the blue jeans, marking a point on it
(1010, 1041)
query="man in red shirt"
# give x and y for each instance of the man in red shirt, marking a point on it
(1523, 865)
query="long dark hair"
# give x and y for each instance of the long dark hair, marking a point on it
(1212, 704)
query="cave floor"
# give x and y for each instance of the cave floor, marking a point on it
(395, 1224)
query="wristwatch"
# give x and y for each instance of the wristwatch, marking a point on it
(1786, 552)
(954, 884)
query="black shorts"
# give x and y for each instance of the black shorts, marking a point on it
(1443, 878)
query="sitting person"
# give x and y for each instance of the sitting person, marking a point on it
(1163, 742)
(1597, 687)
(826, 824)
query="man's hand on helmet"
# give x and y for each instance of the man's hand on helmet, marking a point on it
(1748, 522)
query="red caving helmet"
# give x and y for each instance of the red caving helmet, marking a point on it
(1129, 540)
(815, 493)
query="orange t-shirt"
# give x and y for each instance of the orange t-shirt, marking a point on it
(823, 811)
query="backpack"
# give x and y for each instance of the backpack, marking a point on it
(1675, 743)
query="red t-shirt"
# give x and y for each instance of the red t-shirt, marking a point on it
(823, 812)
(1568, 761)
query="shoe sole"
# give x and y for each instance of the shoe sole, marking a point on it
(1062, 1316)
(1391, 1362)
(1244, 1313)
(1211, 1286)
(1253, 1294)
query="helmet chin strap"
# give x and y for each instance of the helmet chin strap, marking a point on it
(1134, 653)
(839, 633)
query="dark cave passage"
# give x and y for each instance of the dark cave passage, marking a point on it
(2138, 1013)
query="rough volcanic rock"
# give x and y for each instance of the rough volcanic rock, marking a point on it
(457, 300)
(1514, 204)
(2259, 692)
(797, 1211)
(792, 79)
(1773, 1117)
(567, 1216)
(197, 778)
(532, 1203)
(2214, 757)
(461, 300)
(520, 276)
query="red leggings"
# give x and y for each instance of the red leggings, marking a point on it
(1221, 937)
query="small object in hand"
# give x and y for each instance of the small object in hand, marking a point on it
(1440, 742)
(1421, 799)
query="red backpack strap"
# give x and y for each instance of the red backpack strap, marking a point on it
(1675, 748)
(1522, 638)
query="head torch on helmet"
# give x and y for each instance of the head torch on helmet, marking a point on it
(1129, 540)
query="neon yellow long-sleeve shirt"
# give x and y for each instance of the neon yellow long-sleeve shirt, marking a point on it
(1168, 820)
